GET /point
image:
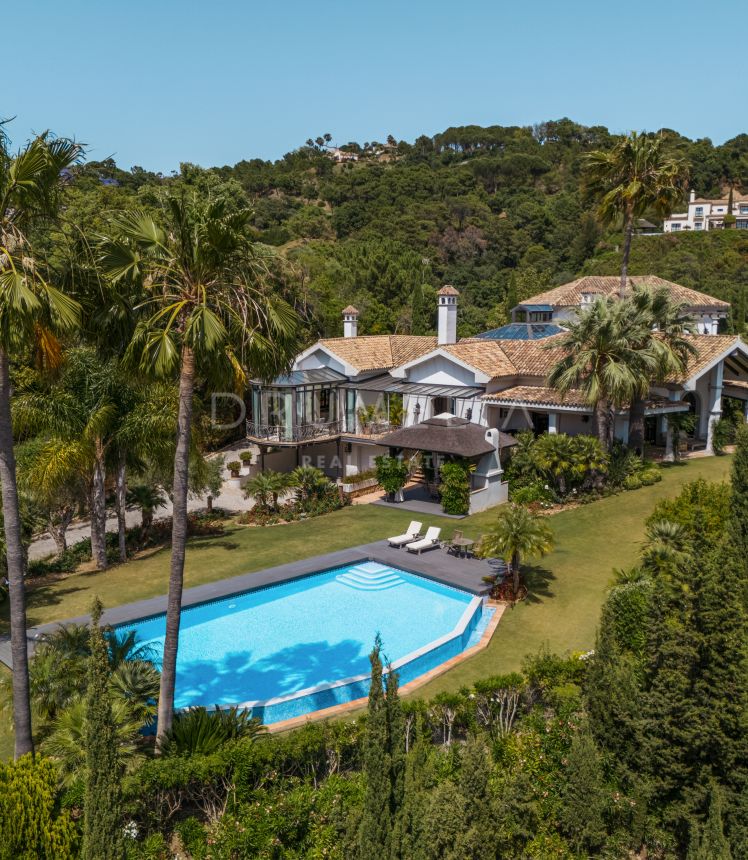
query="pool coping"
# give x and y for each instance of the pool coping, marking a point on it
(410, 687)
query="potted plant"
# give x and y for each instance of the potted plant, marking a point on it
(392, 473)
(234, 467)
(246, 458)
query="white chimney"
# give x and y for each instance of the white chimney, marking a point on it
(350, 321)
(692, 196)
(447, 323)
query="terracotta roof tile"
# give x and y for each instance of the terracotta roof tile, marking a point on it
(448, 290)
(487, 356)
(378, 352)
(538, 396)
(570, 295)
(350, 310)
(710, 347)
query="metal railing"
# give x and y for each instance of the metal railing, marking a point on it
(293, 432)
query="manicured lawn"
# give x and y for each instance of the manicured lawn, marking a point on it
(567, 587)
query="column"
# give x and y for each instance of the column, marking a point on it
(553, 422)
(669, 456)
(715, 403)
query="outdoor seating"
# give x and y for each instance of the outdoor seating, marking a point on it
(460, 545)
(430, 540)
(412, 533)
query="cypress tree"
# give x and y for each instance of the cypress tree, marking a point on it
(584, 795)
(396, 752)
(710, 842)
(737, 524)
(376, 821)
(102, 824)
(475, 772)
(408, 832)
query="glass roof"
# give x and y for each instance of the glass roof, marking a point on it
(521, 331)
(295, 378)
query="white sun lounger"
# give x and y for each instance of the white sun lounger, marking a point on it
(413, 532)
(430, 540)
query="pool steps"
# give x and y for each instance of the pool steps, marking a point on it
(370, 577)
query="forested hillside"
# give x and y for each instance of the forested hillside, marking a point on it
(499, 212)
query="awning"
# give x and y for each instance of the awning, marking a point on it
(303, 377)
(394, 386)
(445, 435)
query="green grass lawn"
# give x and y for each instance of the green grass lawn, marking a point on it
(566, 588)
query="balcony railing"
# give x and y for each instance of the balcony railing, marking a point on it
(294, 432)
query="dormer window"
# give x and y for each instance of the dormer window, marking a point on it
(587, 299)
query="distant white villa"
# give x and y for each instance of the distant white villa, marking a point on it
(706, 214)
(338, 403)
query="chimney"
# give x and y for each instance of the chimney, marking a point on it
(350, 321)
(447, 323)
(692, 196)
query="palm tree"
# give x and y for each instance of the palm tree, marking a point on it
(267, 485)
(603, 358)
(518, 534)
(208, 311)
(667, 328)
(148, 498)
(635, 176)
(30, 307)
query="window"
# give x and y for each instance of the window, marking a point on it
(540, 316)
(743, 209)
(699, 210)
(741, 224)
(675, 227)
(698, 226)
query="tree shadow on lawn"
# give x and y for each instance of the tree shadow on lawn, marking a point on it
(45, 596)
(538, 581)
(208, 542)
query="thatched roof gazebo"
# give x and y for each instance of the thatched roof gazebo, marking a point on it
(446, 434)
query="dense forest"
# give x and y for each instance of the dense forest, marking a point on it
(499, 212)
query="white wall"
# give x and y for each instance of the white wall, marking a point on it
(319, 358)
(439, 370)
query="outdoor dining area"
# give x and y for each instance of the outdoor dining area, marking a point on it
(459, 544)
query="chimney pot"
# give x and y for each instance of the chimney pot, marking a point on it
(447, 322)
(692, 196)
(350, 321)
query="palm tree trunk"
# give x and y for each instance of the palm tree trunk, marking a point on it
(628, 232)
(515, 573)
(601, 422)
(121, 492)
(636, 424)
(98, 509)
(15, 559)
(178, 544)
(58, 530)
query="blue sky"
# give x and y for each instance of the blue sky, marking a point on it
(156, 82)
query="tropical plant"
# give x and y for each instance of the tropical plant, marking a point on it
(518, 534)
(568, 460)
(266, 488)
(392, 473)
(635, 176)
(245, 457)
(30, 309)
(234, 466)
(198, 731)
(310, 483)
(208, 310)
(149, 498)
(602, 358)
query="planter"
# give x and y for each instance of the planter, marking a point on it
(358, 487)
(234, 481)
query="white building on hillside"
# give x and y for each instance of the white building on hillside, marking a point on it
(706, 214)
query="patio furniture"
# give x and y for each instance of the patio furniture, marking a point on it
(461, 545)
(413, 532)
(428, 542)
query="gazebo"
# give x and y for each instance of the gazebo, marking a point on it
(447, 435)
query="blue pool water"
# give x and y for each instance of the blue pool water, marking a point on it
(298, 640)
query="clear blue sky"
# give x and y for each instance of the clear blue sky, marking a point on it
(156, 82)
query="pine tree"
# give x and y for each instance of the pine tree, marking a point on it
(102, 825)
(376, 822)
(737, 525)
(475, 772)
(584, 795)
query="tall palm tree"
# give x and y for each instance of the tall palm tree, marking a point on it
(208, 312)
(668, 326)
(30, 308)
(603, 358)
(518, 534)
(637, 175)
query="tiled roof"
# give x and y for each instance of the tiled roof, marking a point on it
(350, 310)
(380, 351)
(488, 356)
(570, 295)
(710, 347)
(533, 358)
(537, 396)
(448, 290)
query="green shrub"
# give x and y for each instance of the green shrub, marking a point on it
(392, 473)
(246, 457)
(632, 482)
(532, 493)
(455, 487)
(627, 607)
(234, 466)
(650, 474)
(198, 731)
(723, 434)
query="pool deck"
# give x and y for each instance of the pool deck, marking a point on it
(464, 573)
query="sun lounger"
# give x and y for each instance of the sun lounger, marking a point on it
(430, 540)
(413, 532)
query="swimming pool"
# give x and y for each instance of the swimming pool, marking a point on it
(293, 648)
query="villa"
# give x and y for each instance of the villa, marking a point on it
(346, 394)
(708, 214)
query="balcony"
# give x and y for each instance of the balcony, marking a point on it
(292, 434)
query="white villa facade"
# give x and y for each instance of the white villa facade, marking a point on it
(345, 393)
(704, 214)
